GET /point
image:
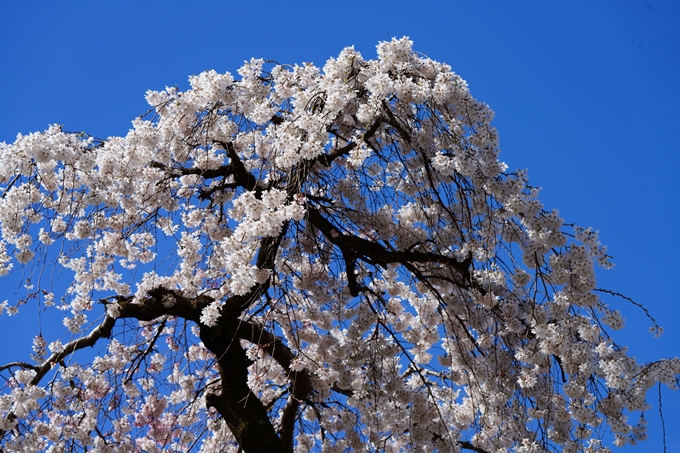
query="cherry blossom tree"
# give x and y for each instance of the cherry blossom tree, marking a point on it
(308, 259)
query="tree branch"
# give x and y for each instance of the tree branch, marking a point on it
(152, 308)
(468, 446)
(327, 159)
(300, 382)
(354, 246)
(24, 365)
(140, 358)
(103, 330)
(236, 168)
(219, 172)
(392, 121)
(241, 409)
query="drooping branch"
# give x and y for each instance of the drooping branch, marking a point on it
(150, 347)
(103, 330)
(24, 365)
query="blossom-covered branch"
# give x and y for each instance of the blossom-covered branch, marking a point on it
(301, 259)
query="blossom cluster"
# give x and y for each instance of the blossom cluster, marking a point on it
(356, 215)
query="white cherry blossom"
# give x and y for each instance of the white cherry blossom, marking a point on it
(301, 258)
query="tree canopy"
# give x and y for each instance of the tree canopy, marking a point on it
(308, 259)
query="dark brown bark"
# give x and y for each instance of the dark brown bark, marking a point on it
(355, 247)
(300, 382)
(242, 410)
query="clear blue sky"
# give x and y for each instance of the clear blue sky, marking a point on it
(586, 94)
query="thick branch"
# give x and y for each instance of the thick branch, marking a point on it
(266, 257)
(301, 384)
(272, 345)
(242, 176)
(236, 168)
(103, 330)
(327, 159)
(354, 247)
(219, 172)
(242, 410)
(152, 308)
(468, 446)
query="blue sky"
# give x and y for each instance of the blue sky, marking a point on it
(586, 96)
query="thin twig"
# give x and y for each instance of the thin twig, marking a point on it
(663, 425)
(637, 304)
